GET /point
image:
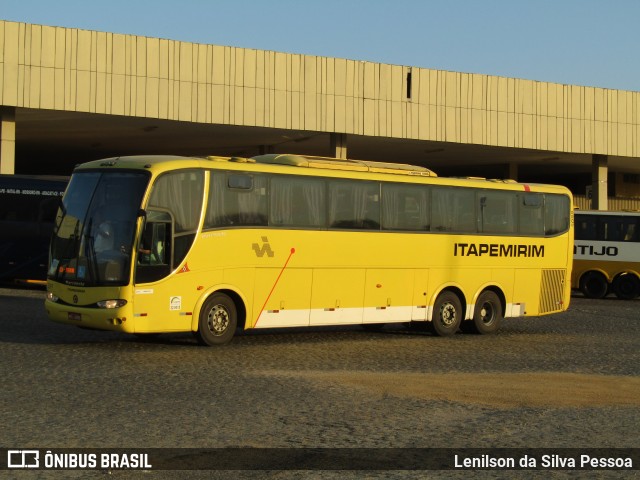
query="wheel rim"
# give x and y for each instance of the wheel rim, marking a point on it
(218, 320)
(487, 313)
(448, 314)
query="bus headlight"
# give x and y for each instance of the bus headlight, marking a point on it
(111, 303)
(51, 297)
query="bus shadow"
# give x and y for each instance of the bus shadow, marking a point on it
(24, 321)
(609, 297)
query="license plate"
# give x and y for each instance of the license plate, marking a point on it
(76, 317)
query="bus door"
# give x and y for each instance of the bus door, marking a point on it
(164, 296)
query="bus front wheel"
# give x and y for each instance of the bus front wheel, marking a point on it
(447, 314)
(593, 285)
(626, 286)
(218, 320)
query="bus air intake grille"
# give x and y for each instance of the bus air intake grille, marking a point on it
(552, 291)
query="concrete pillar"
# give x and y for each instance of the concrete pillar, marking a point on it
(599, 190)
(264, 149)
(7, 140)
(339, 145)
(512, 171)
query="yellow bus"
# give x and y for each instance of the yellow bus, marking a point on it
(210, 245)
(607, 254)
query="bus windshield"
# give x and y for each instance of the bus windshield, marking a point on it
(95, 228)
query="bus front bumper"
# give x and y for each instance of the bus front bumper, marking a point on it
(114, 319)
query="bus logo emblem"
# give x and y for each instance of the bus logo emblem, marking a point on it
(265, 248)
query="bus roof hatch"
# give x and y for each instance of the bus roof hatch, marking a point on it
(340, 164)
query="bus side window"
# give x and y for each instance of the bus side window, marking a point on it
(454, 210)
(630, 230)
(531, 220)
(586, 227)
(154, 250)
(153, 247)
(497, 212)
(297, 202)
(245, 200)
(405, 207)
(610, 229)
(216, 215)
(354, 205)
(556, 210)
(179, 196)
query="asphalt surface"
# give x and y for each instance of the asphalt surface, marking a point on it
(561, 381)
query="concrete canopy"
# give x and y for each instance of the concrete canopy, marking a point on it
(77, 95)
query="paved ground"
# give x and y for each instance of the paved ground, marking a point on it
(562, 381)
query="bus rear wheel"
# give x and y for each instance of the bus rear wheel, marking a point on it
(447, 314)
(593, 285)
(218, 320)
(626, 286)
(487, 315)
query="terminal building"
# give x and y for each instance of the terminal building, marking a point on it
(68, 96)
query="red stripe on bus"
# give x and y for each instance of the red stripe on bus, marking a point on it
(293, 250)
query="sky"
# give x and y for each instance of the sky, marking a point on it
(580, 42)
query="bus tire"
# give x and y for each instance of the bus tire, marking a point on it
(593, 285)
(487, 315)
(218, 320)
(626, 286)
(447, 314)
